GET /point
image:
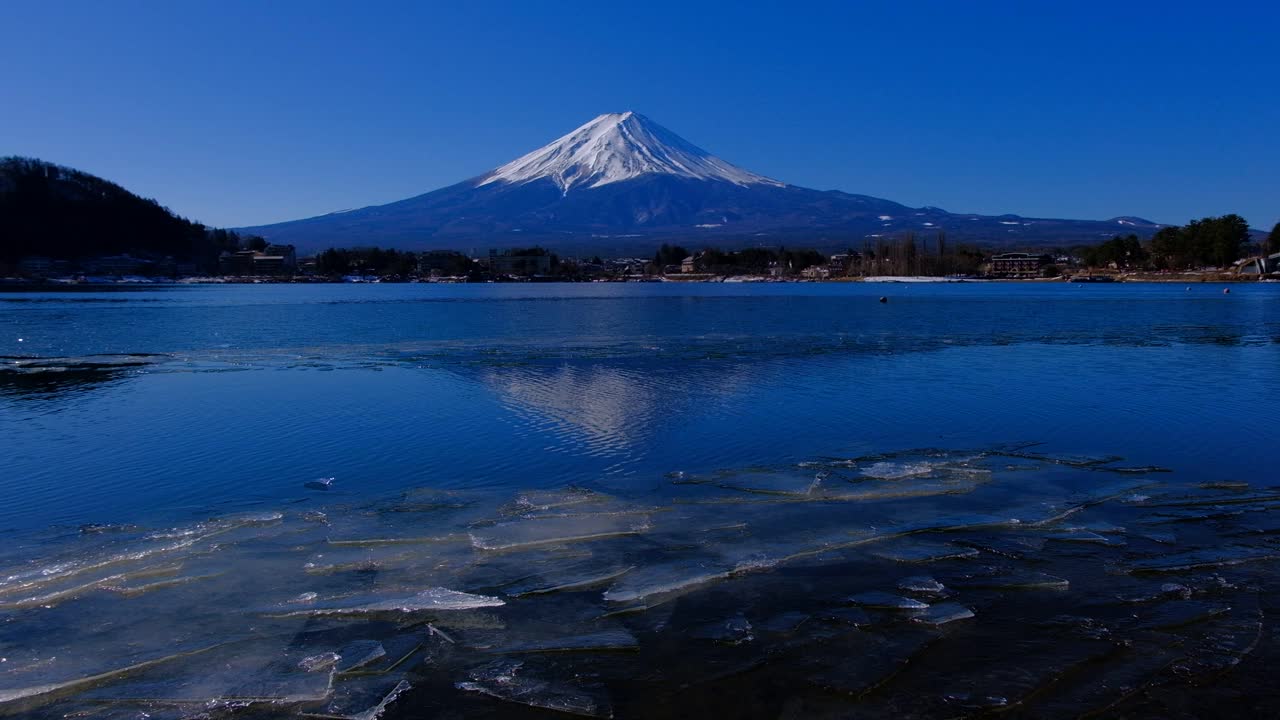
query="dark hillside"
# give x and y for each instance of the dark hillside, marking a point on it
(57, 212)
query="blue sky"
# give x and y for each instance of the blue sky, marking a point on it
(244, 113)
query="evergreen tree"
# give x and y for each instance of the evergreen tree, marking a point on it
(1273, 240)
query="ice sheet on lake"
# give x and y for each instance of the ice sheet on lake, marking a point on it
(548, 531)
(1085, 536)
(1011, 580)
(1179, 613)
(358, 654)
(921, 584)
(535, 501)
(922, 552)
(868, 661)
(887, 601)
(730, 631)
(943, 613)
(15, 699)
(433, 599)
(260, 672)
(581, 576)
(363, 699)
(153, 548)
(759, 559)
(114, 582)
(604, 640)
(1204, 558)
(507, 680)
(896, 471)
(664, 580)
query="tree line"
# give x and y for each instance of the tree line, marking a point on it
(389, 262)
(1207, 242)
(366, 261)
(907, 254)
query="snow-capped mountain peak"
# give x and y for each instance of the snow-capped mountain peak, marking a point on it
(615, 147)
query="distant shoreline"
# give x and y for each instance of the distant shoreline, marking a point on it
(23, 285)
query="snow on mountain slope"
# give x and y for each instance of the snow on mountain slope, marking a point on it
(616, 147)
(622, 183)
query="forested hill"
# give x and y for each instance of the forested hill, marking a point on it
(58, 212)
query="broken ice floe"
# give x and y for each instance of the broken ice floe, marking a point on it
(887, 601)
(605, 640)
(351, 604)
(508, 680)
(582, 577)
(655, 581)
(921, 584)
(1205, 558)
(943, 613)
(371, 603)
(549, 531)
(358, 654)
(922, 552)
(366, 699)
(730, 631)
(1014, 580)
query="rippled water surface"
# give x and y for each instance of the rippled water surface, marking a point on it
(640, 500)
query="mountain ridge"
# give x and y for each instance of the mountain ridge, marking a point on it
(621, 182)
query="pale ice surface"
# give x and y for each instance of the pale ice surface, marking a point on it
(368, 604)
(615, 147)
(510, 681)
(943, 613)
(889, 601)
(547, 598)
(556, 530)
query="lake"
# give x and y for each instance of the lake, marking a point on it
(639, 500)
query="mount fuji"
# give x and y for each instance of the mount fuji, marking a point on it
(622, 183)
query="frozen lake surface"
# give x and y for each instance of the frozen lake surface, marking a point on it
(1043, 500)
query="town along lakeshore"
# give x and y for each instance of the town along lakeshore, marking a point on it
(640, 500)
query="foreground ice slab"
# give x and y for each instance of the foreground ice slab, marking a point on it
(549, 531)
(710, 586)
(922, 552)
(943, 613)
(507, 681)
(592, 642)
(661, 581)
(579, 576)
(17, 699)
(886, 601)
(1206, 558)
(361, 699)
(369, 603)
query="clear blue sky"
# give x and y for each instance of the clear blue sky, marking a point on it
(244, 113)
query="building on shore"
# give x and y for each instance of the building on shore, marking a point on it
(1018, 264)
(273, 260)
(520, 262)
(287, 254)
(236, 263)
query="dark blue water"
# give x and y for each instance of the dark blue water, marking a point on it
(640, 500)
(245, 392)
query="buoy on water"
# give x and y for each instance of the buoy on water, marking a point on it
(1226, 291)
(884, 299)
